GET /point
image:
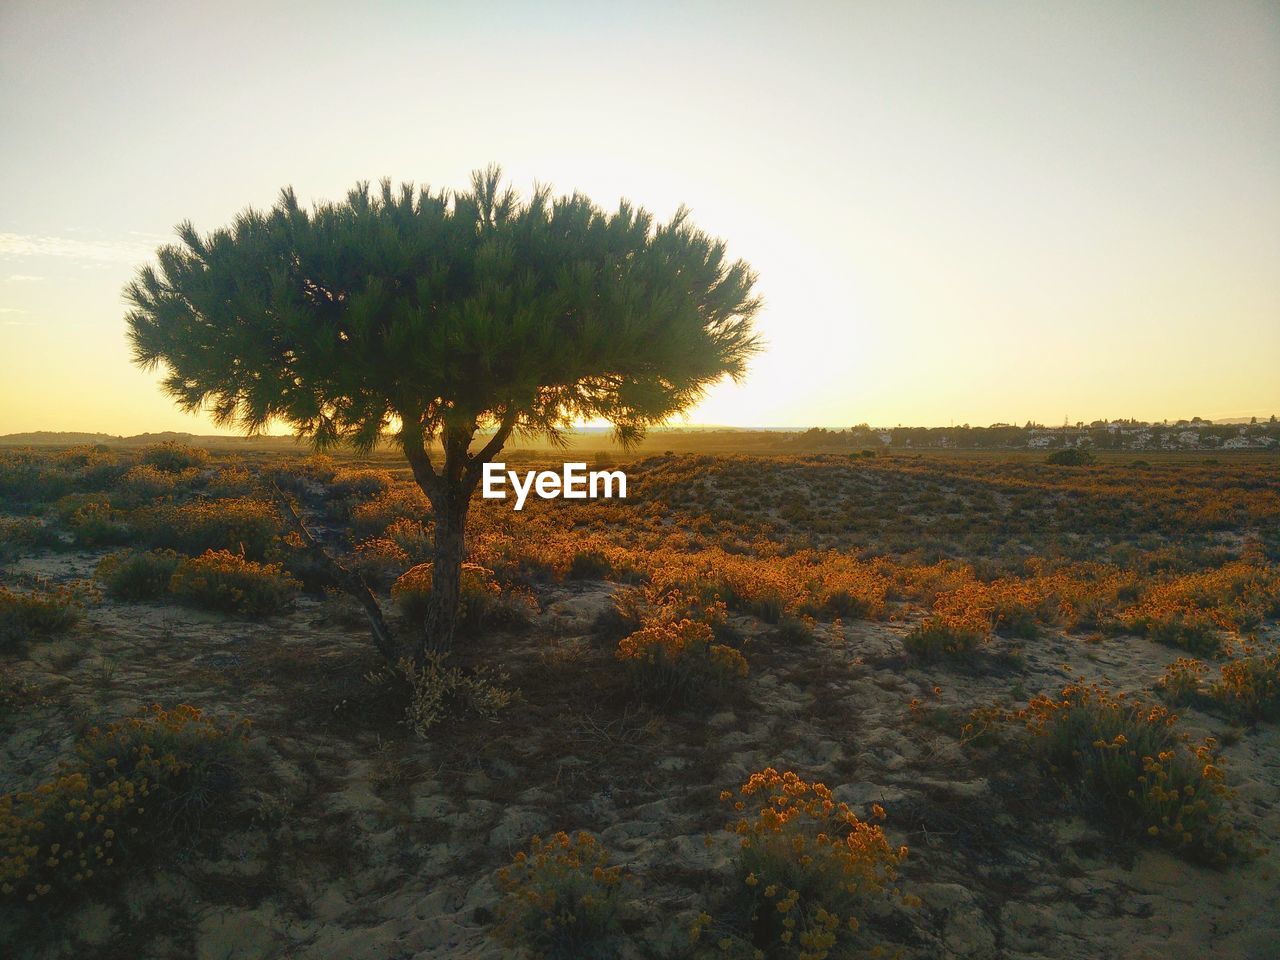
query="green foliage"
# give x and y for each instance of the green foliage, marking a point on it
(1071, 457)
(244, 525)
(1127, 763)
(174, 457)
(141, 782)
(396, 303)
(221, 580)
(21, 534)
(38, 613)
(131, 575)
(935, 638)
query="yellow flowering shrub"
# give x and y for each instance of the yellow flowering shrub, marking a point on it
(132, 783)
(1192, 610)
(936, 637)
(805, 868)
(560, 899)
(221, 580)
(1126, 760)
(243, 525)
(678, 660)
(476, 587)
(1247, 688)
(38, 612)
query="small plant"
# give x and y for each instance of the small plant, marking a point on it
(92, 520)
(170, 456)
(483, 601)
(437, 692)
(1248, 686)
(39, 613)
(560, 900)
(244, 525)
(131, 575)
(935, 638)
(679, 660)
(805, 869)
(221, 580)
(21, 534)
(144, 779)
(1126, 761)
(1071, 457)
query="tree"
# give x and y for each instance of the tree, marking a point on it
(449, 318)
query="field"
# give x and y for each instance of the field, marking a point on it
(787, 706)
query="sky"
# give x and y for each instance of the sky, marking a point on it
(959, 212)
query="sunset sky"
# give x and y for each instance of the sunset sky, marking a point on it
(960, 212)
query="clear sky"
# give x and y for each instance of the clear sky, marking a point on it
(969, 212)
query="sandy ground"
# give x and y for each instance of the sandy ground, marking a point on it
(357, 840)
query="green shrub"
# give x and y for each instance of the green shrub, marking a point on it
(174, 457)
(39, 613)
(1071, 457)
(245, 526)
(935, 638)
(221, 580)
(435, 692)
(589, 565)
(1127, 764)
(129, 575)
(22, 534)
(92, 520)
(134, 785)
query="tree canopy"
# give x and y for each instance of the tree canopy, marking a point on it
(443, 313)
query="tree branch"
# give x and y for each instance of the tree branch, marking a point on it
(348, 580)
(490, 449)
(415, 451)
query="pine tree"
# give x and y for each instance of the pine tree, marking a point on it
(449, 318)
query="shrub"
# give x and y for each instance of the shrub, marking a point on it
(129, 575)
(38, 613)
(678, 660)
(1071, 457)
(379, 561)
(144, 483)
(411, 536)
(92, 520)
(935, 638)
(1248, 686)
(359, 484)
(221, 580)
(560, 900)
(437, 692)
(133, 783)
(482, 601)
(805, 868)
(246, 526)
(18, 535)
(1124, 760)
(589, 565)
(171, 456)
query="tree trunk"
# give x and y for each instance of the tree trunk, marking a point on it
(446, 569)
(449, 490)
